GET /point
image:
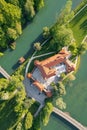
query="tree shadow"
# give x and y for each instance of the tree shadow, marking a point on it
(7, 115)
(1, 76)
(79, 16)
(30, 51)
(15, 66)
(84, 25)
(65, 122)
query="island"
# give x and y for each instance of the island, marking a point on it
(35, 76)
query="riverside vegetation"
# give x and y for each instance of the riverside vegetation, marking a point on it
(14, 15)
(16, 109)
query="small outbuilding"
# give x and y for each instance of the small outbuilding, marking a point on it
(38, 85)
(21, 60)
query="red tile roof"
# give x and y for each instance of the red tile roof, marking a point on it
(49, 94)
(46, 65)
(29, 75)
(38, 85)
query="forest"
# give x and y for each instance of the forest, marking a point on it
(14, 15)
(16, 110)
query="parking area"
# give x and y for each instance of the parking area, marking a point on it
(33, 91)
(61, 68)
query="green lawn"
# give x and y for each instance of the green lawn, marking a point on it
(45, 49)
(8, 117)
(79, 25)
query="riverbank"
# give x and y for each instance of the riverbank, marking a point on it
(51, 125)
(46, 17)
(75, 99)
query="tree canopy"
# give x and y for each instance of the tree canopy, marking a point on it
(14, 14)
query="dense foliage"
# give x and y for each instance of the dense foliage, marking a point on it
(14, 14)
(14, 105)
(43, 116)
(82, 4)
(15, 109)
(61, 33)
(47, 110)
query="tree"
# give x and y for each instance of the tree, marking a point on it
(37, 123)
(3, 82)
(13, 92)
(38, 4)
(47, 110)
(29, 8)
(71, 77)
(54, 86)
(28, 121)
(60, 103)
(66, 14)
(37, 46)
(2, 39)
(13, 45)
(73, 48)
(18, 28)
(9, 16)
(62, 75)
(14, 2)
(61, 36)
(46, 32)
(2, 19)
(61, 88)
(1, 54)
(13, 15)
(12, 33)
(19, 126)
(4, 95)
(82, 48)
(27, 103)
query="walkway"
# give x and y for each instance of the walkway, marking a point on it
(69, 119)
(4, 73)
(32, 33)
(34, 57)
(39, 109)
(45, 17)
(32, 91)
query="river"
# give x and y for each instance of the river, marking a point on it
(76, 98)
(45, 17)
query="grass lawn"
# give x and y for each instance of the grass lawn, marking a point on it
(79, 25)
(8, 117)
(45, 49)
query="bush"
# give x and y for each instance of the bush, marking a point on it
(28, 121)
(37, 46)
(1, 54)
(46, 32)
(60, 103)
(13, 45)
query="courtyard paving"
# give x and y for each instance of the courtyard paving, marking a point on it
(33, 92)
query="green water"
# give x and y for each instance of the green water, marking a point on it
(76, 97)
(76, 100)
(45, 17)
(57, 123)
